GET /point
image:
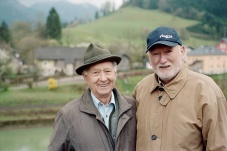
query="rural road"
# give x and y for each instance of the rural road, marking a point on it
(60, 81)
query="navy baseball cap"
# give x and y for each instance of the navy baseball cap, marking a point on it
(163, 35)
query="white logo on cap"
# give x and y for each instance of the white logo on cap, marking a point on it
(166, 36)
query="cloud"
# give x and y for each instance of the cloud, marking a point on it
(97, 3)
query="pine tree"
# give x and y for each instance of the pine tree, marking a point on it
(5, 35)
(53, 25)
(96, 15)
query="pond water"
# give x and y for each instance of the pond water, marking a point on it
(25, 139)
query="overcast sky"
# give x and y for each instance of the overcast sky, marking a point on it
(97, 3)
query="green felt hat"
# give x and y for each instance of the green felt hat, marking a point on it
(94, 54)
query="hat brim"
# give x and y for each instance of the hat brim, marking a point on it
(167, 43)
(80, 69)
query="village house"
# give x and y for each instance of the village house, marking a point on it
(222, 45)
(64, 60)
(207, 60)
(58, 60)
(12, 60)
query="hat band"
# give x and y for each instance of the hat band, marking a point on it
(96, 58)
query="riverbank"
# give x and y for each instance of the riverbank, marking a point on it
(22, 106)
(28, 116)
(38, 106)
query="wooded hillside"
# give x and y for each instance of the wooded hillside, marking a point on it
(212, 14)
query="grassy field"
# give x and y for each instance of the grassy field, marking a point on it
(65, 93)
(35, 106)
(39, 105)
(62, 95)
(221, 81)
(129, 25)
(39, 96)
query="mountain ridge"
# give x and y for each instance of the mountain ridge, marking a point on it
(39, 11)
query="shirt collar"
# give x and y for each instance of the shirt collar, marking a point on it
(175, 85)
(160, 82)
(97, 102)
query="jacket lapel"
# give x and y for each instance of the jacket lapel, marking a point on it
(124, 106)
(87, 106)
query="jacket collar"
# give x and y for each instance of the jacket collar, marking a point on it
(88, 106)
(174, 86)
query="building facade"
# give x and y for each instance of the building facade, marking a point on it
(222, 45)
(207, 60)
(64, 60)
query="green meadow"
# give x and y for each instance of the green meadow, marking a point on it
(39, 96)
(39, 105)
(64, 93)
(130, 25)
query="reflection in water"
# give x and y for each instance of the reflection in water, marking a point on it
(25, 139)
(25, 148)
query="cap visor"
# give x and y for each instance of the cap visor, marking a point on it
(167, 43)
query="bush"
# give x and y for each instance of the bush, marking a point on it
(30, 84)
(52, 84)
(4, 86)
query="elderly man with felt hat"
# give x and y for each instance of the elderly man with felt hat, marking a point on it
(101, 119)
(178, 109)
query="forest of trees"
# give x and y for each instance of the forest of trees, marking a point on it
(212, 14)
(24, 38)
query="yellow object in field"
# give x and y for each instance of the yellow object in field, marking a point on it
(52, 84)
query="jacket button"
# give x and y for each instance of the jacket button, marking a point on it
(160, 89)
(153, 137)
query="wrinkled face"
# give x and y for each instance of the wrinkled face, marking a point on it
(101, 78)
(166, 61)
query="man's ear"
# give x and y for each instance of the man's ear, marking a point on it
(148, 56)
(84, 76)
(184, 53)
(182, 49)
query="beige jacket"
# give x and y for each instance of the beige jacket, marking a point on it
(190, 116)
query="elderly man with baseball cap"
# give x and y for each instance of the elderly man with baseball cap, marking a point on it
(101, 119)
(177, 109)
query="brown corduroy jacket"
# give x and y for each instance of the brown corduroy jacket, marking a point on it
(80, 123)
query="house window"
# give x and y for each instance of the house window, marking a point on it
(59, 63)
(55, 63)
(44, 63)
